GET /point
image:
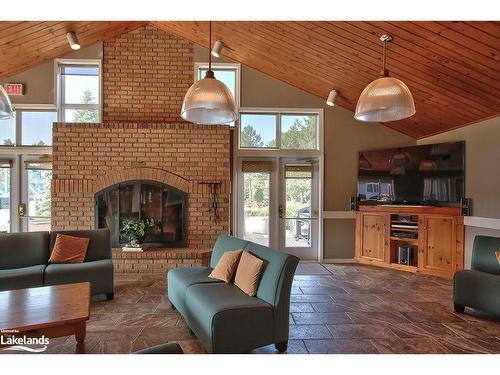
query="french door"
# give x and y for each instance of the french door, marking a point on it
(25, 193)
(278, 204)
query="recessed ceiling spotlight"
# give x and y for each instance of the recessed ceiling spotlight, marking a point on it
(217, 48)
(331, 98)
(73, 40)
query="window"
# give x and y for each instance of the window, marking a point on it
(279, 130)
(8, 132)
(229, 74)
(28, 127)
(258, 130)
(79, 90)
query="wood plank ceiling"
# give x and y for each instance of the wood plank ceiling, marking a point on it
(452, 68)
(26, 44)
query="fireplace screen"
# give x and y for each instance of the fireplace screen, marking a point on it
(144, 200)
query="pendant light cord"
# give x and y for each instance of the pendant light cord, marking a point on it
(209, 45)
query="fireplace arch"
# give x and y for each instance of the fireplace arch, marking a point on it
(141, 200)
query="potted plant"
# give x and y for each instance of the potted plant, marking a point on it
(134, 231)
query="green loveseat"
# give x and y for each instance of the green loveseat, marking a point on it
(225, 319)
(479, 287)
(24, 261)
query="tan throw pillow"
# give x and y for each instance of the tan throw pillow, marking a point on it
(226, 267)
(497, 253)
(69, 249)
(248, 273)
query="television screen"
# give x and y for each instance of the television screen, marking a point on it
(427, 174)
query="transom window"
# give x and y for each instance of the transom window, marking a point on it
(79, 90)
(279, 130)
(28, 127)
(227, 73)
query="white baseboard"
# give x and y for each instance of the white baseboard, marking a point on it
(339, 260)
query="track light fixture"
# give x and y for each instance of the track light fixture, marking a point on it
(73, 40)
(217, 48)
(331, 98)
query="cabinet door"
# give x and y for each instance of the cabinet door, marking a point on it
(439, 243)
(373, 241)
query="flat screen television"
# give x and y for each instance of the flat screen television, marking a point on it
(424, 175)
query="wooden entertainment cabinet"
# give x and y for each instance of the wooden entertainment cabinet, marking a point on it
(436, 235)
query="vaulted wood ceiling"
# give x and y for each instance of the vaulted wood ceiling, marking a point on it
(452, 68)
(24, 45)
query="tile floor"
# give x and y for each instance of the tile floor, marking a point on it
(341, 308)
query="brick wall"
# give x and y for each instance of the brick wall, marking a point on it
(90, 157)
(146, 73)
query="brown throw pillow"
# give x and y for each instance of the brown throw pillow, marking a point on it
(69, 249)
(248, 273)
(497, 253)
(226, 267)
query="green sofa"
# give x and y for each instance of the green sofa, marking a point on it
(225, 319)
(479, 287)
(24, 261)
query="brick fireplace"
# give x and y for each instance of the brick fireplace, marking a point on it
(145, 74)
(88, 158)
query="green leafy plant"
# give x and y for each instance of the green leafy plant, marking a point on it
(134, 230)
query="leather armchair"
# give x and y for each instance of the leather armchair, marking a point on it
(479, 287)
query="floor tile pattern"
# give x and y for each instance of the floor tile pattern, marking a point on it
(335, 308)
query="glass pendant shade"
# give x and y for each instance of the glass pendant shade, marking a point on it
(209, 101)
(6, 111)
(385, 99)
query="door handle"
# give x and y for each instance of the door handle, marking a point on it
(281, 211)
(21, 210)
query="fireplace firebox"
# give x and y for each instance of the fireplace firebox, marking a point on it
(141, 200)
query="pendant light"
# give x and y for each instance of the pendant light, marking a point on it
(6, 111)
(385, 99)
(208, 100)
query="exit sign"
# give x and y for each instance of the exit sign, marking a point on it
(14, 88)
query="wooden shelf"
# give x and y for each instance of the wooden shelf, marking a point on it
(404, 230)
(403, 239)
(404, 267)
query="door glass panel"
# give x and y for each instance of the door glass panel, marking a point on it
(298, 187)
(151, 209)
(5, 184)
(39, 199)
(256, 207)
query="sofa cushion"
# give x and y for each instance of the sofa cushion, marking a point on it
(248, 273)
(227, 265)
(226, 320)
(479, 290)
(99, 273)
(225, 243)
(179, 279)
(19, 250)
(19, 278)
(69, 249)
(99, 246)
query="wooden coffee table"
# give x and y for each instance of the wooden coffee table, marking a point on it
(53, 311)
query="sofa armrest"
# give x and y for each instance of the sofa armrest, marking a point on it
(483, 254)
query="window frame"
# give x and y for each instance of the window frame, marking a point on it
(59, 92)
(279, 112)
(19, 109)
(221, 66)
